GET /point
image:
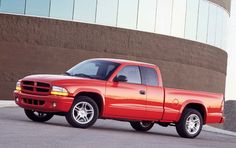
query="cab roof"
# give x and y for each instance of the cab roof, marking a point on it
(122, 61)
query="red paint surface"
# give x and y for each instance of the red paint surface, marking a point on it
(123, 100)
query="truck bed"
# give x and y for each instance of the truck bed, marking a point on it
(177, 99)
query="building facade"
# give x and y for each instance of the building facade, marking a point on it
(186, 38)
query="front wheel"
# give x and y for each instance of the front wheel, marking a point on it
(83, 113)
(142, 125)
(190, 124)
(38, 116)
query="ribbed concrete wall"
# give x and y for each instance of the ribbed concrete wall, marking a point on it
(230, 115)
(35, 45)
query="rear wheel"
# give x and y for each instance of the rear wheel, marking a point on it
(142, 125)
(190, 124)
(83, 113)
(38, 116)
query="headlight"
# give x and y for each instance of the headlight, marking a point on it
(60, 91)
(18, 86)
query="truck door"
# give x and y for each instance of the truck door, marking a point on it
(155, 94)
(126, 99)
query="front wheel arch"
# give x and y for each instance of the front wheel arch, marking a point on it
(83, 113)
(96, 97)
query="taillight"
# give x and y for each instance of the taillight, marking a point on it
(222, 105)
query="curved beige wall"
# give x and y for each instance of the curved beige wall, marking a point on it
(37, 45)
(223, 3)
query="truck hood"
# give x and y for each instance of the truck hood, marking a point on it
(71, 83)
(57, 79)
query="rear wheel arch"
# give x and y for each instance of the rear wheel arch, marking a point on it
(96, 97)
(190, 123)
(197, 106)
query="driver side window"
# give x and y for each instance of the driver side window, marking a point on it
(132, 73)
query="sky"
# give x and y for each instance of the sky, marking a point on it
(231, 50)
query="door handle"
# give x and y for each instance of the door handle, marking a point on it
(142, 92)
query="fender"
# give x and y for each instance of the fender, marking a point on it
(90, 90)
(184, 104)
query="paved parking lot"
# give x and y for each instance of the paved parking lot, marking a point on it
(17, 131)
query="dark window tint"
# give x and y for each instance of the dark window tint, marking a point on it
(132, 73)
(149, 76)
(95, 69)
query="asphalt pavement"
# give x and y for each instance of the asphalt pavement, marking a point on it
(16, 130)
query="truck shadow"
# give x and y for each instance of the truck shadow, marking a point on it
(130, 131)
(98, 128)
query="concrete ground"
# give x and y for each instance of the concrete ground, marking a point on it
(18, 131)
(7, 103)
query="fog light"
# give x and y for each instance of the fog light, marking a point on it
(54, 104)
(17, 99)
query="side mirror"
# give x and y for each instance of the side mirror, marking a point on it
(120, 78)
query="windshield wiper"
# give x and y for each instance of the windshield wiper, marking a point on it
(83, 75)
(67, 73)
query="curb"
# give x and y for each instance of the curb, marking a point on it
(7, 104)
(218, 131)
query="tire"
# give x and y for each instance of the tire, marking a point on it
(142, 126)
(84, 112)
(38, 116)
(190, 124)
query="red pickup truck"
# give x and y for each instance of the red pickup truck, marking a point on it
(117, 89)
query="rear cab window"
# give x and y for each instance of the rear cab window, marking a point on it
(149, 76)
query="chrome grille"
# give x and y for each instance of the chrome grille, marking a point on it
(33, 87)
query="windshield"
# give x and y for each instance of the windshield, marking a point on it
(93, 69)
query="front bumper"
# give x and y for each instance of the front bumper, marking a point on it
(49, 103)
